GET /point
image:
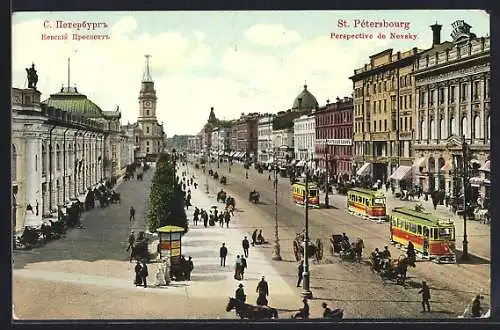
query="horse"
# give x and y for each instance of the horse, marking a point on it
(247, 311)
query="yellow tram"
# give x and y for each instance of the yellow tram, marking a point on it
(299, 191)
(367, 203)
(432, 236)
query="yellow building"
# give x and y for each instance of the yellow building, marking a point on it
(384, 92)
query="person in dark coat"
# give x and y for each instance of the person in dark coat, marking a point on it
(138, 277)
(476, 307)
(131, 241)
(227, 218)
(190, 267)
(345, 238)
(246, 245)
(243, 266)
(240, 294)
(195, 185)
(221, 219)
(205, 218)
(263, 291)
(304, 311)
(426, 296)
(144, 274)
(196, 215)
(223, 255)
(386, 254)
(131, 213)
(254, 237)
(327, 312)
(300, 271)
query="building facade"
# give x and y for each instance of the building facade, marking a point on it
(283, 145)
(264, 139)
(383, 113)
(127, 145)
(149, 133)
(194, 144)
(247, 135)
(57, 154)
(304, 138)
(335, 121)
(453, 100)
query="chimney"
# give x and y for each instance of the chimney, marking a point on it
(436, 34)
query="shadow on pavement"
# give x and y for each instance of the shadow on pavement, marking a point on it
(472, 260)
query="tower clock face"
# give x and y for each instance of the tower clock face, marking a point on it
(148, 104)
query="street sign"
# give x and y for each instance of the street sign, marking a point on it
(336, 142)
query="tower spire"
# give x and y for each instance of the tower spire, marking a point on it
(147, 71)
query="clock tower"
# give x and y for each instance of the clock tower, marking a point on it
(149, 134)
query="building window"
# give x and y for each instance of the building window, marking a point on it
(452, 126)
(147, 130)
(464, 126)
(452, 94)
(433, 129)
(380, 125)
(406, 105)
(385, 125)
(13, 163)
(441, 95)
(385, 105)
(393, 125)
(423, 130)
(409, 100)
(58, 157)
(463, 93)
(477, 128)
(442, 130)
(432, 98)
(406, 124)
(385, 85)
(487, 88)
(476, 90)
(487, 135)
(147, 112)
(374, 125)
(136, 139)
(44, 159)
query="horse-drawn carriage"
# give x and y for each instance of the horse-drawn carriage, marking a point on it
(221, 196)
(315, 249)
(390, 269)
(251, 312)
(254, 197)
(140, 250)
(223, 180)
(345, 250)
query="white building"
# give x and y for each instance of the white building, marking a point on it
(453, 100)
(304, 136)
(194, 144)
(264, 139)
(127, 145)
(57, 152)
(283, 145)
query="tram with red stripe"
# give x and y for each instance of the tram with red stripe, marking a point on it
(367, 203)
(299, 191)
(432, 237)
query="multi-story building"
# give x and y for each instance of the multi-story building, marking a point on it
(247, 135)
(150, 134)
(335, 121)
(383, 113)
(224, 138)
(453, 100)
(283, 145)
(194, 144)
(127, 145)
(207, 131)
(304, 138)
(234, 139)
(264, 139)
(60, 148)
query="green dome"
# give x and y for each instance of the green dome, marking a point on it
(307, 101)
(70, 100)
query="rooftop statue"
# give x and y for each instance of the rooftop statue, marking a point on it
(32, 76)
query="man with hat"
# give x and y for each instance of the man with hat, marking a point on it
(263, 290)
(426, 295)
(240, 294)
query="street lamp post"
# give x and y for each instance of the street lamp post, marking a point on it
(327, 186)
(465, 178)
(206, 171)
(276, 251)
(306, 291)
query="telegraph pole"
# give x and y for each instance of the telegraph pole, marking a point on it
(306, 291)
(327, 185)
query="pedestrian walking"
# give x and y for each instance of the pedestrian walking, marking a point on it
(300, 271)
(221, 219)
(263, 291)
(144, 274)
(246, 245)
(237, 268)
(240, 294)
(196, 214)
(138, 277)
(131, 240)
(227, 218)
(223, 255)
(190, 267)
(254, 237)
(426, 296)
(132, 214)
(244, 265)
(269, 177)
(195, 185)
(246, 174)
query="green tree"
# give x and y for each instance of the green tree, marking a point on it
(166, 199)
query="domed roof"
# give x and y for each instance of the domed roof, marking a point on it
(69, 99)
(305, 101)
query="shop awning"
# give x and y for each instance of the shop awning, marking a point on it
(476, 181)
(401, 173)
(364, 170)
(420, 162)
(447, 166)
(485, 167)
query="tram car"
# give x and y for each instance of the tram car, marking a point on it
(367, 203)
(298, 193)
(432, 237)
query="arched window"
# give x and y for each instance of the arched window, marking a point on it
(423, 130)
(442, 129)
(432, 165)
(433, 129)
(464, 127)
(477, 128)
(58, 157)
(487, 133)
(13, 163)
(44, 160)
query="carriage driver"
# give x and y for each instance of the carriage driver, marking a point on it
(386, 254)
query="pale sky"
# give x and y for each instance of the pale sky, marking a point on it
(247, 61)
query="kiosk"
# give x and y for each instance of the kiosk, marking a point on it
(170, 246)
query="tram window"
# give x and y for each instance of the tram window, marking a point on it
(312, 193)
(426, 231)
(413, 228)
(445, 233)
(406, 226)
(419, 229)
